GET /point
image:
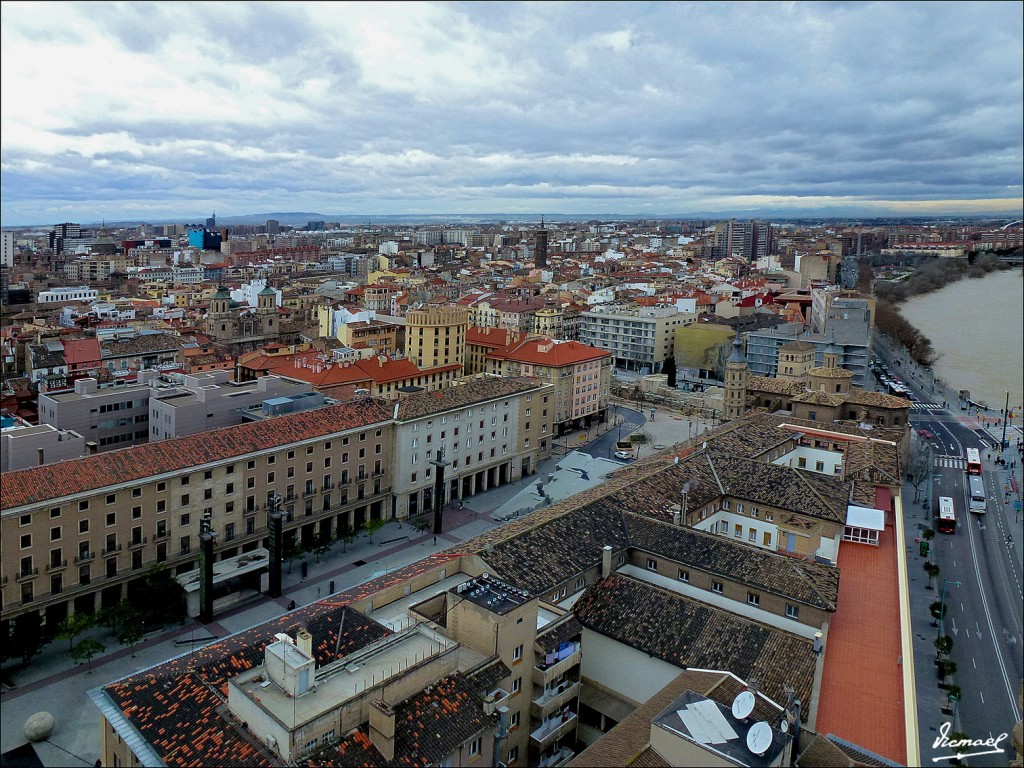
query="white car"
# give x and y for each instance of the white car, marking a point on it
(623, 455)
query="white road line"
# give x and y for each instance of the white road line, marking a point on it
(992, 631)
(973, 663)
(982, 697)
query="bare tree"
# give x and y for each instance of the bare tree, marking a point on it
(918, 465)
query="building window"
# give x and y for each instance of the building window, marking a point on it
(716, 586)
(581, 583)
(819, 466)
(517, 685)
(767, 539)
(752, 535)
(738, 531)
(513, 721)
(652, 565)
(792, 611)
(475, 746)
(517, 653)
(753, 598)
(684, 576)
(513, 754)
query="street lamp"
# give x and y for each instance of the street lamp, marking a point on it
(942, 603)
(1006, 418)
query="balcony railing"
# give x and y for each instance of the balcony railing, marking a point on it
(138, 542)
(110, 550)
(56, 566)
(84, 556)
(160, 535)
(27, 573)
(554, 728)
(543, 675)
(559, 757)
(550, 700)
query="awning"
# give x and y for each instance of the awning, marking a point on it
(865, 517)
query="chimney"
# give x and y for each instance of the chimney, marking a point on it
(382, 729)
(606, 562)
(304, 641)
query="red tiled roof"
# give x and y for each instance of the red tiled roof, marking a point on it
(28, 486)
(554, 353)
(861, 696)
(78, 351)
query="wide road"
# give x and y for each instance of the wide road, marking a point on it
(984, 614)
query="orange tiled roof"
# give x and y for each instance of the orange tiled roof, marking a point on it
(29, 486)
(861, 688)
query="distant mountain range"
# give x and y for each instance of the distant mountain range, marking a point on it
(806, 215)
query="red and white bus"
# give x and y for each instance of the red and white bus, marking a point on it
(973, 461)
(947, 515)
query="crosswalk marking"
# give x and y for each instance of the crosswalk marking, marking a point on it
(926, 407)
(950, 462)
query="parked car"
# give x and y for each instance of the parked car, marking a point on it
(927, 434)
(624, 455)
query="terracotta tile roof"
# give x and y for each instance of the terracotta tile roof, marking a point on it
(797, 580)
(774, 386)
(555, 354)
(825, 752)
(637, 614)
(178, 705)
(142, 344)
(861, 687)
(555, 634)
(429, 726)
(77, 351)
(817, 397)
(453, 397)
(92, 473)
(876, 399)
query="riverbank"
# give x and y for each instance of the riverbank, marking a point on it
(977, 330)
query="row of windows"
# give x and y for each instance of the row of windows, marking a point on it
(753, 598)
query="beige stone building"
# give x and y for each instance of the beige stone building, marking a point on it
(436, 335)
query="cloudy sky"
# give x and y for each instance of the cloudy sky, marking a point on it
(157, 111)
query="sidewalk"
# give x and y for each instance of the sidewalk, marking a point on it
(76, 736)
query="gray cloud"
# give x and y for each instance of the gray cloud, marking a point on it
(157, 110)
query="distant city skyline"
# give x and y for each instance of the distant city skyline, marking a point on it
(154, 112)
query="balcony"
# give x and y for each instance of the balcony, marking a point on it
(84, 557)
(327, 487)
(559, 757)
(307, 492)
(161, 535)
(110, 550)
(56, 566)
(139, 542)
(543, 675)
(553, 729)
(26, 573)
(550, 700)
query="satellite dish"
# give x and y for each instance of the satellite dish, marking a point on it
(743, 705)
(759, 737)
(784, 726)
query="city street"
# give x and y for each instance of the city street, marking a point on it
(979, 577)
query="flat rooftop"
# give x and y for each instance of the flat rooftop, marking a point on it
(713, 726)
(345, 679)
(493, 594)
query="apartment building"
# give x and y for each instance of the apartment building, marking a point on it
(543, 633)
(490, 431)
(109, 416)
(580, 375)
(639, 338)
(435, 336)
(205, 401)
(76, 533)
(24, 445)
